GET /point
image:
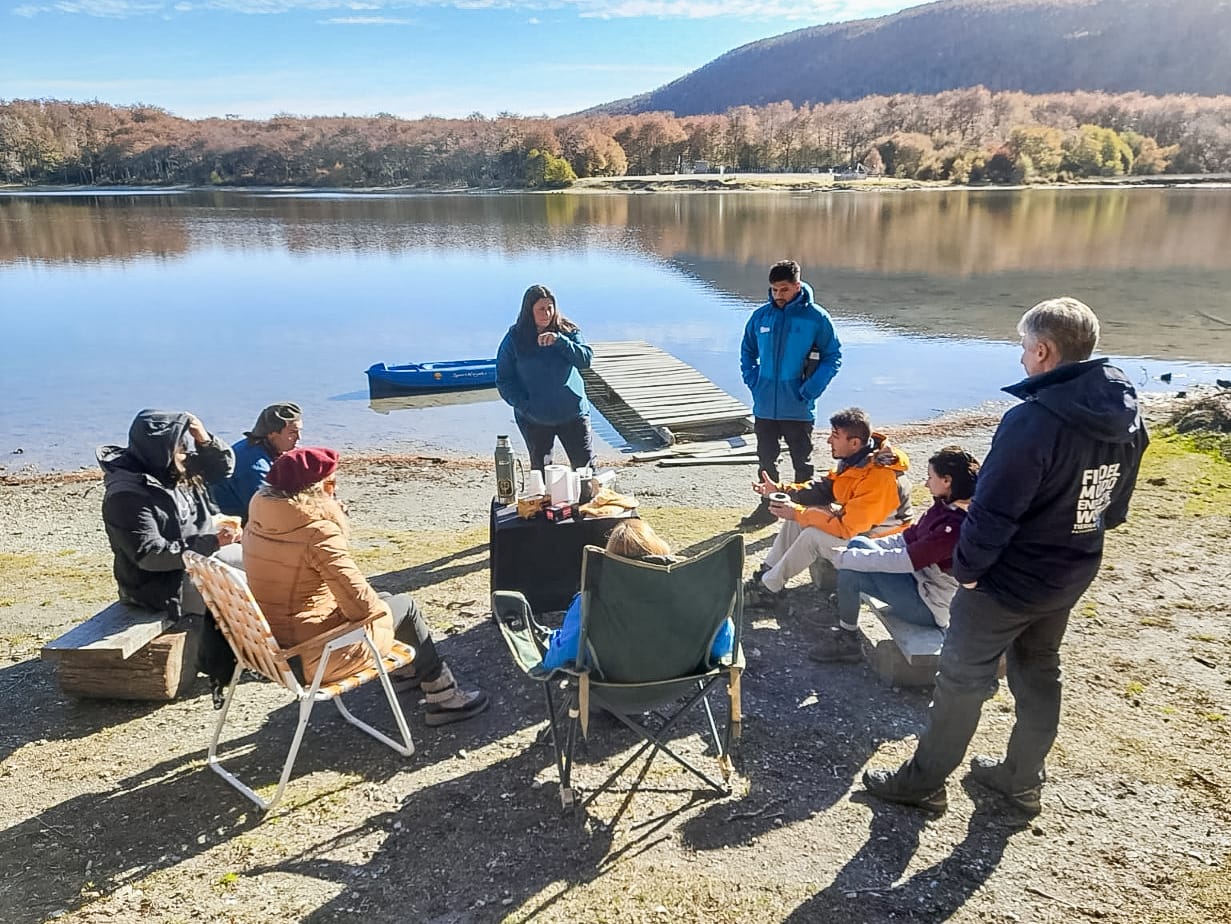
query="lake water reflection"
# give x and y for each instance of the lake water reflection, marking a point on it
(222, 302)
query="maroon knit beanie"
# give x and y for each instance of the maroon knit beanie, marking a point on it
(302, 466)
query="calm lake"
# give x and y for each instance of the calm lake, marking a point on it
(222, 302)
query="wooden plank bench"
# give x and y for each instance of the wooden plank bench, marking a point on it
(903, 654)
(124, 652)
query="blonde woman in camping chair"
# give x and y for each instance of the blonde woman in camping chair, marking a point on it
(631, 538)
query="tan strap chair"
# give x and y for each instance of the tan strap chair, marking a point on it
(226, 593)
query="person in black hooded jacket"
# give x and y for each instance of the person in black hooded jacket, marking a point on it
(155, 506)
(1060, 472)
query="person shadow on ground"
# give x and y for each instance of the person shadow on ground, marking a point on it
(482, 846)
(93, 844)
(870, 886)
(426, 574)
(808, 730)
(796, 756)
(47, 714)
(96, 843)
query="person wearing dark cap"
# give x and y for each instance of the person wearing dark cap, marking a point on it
(301, 573)
(277, 430)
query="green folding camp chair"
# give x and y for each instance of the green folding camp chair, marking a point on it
(643, 654)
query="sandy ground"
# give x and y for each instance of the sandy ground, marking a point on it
(108, 813)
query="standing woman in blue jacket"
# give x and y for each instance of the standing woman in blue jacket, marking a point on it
(537, 373)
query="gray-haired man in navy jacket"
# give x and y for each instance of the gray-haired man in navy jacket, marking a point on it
(1060, 472)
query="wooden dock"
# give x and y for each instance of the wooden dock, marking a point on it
(653, 399)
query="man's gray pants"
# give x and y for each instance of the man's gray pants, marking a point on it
(981, 629)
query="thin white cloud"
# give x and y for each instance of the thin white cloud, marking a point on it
(365, 21)
(102, 9)
(706, 9)
(793, 10)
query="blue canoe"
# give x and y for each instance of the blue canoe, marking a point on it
(416, 378)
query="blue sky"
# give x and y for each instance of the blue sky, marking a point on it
(256, 58)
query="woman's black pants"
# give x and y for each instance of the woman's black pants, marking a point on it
(410, 627)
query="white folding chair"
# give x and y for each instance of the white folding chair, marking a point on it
(225, 590)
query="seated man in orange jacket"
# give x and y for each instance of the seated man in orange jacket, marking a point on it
(865, 494)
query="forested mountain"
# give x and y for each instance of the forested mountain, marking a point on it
(960, 136)
(1036, 46)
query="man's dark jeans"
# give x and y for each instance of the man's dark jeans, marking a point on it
(981, 629)
(798, 436)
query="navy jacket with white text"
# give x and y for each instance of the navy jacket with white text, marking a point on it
(1060, 472)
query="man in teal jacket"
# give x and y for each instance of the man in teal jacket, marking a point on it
(788, 357)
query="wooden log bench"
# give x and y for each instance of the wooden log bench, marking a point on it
(124, 652)
(902, 653)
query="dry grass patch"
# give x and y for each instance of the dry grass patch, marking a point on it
(38, 579)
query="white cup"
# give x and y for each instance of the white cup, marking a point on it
(574, 487)
(534, 484)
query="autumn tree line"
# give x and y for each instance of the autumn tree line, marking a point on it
(959, 136)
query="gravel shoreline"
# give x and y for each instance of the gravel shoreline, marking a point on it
(460, 486)
(111, 814)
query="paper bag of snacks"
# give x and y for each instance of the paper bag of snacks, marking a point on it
(608, 503)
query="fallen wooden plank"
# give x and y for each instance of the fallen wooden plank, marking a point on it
(731, 445)
(683, 461)
(916, 642)
(721, 454)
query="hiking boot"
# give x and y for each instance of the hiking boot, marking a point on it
(758, 518)
(993, 774)
(447, 702)
(887, 785)
(837, 644)
(405, 678)
(759, 597)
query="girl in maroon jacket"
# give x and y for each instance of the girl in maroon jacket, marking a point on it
(910, 571)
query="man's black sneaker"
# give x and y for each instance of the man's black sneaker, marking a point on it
(759, 517)
(887, 785)
(837, 644)
(993, 774)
